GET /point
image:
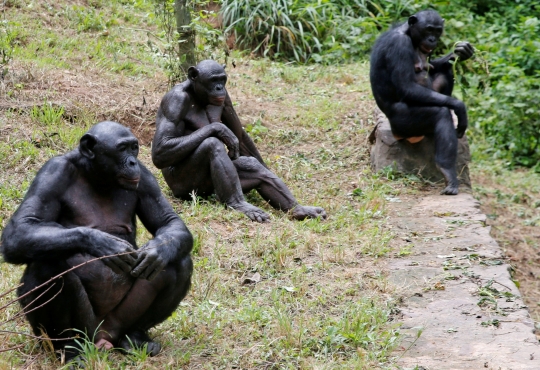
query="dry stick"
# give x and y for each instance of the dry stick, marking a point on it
(11, 348)
(62, 274)
(40, 286)
(23, 312)
(9, 291)
(31, 335)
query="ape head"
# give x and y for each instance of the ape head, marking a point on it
(208, 79)
(111, 150)
(425, 29)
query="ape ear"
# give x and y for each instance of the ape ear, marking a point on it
(442, 20)
(224, 65)
(86, 145)
(193, 73)
(413, 20)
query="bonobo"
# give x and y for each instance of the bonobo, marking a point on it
(415, 92)
(195, 122)
(82, 206)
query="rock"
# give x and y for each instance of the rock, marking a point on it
(417, 158)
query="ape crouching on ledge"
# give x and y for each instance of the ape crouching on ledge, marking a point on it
(195, 122)
(84, 205)
(415, 93)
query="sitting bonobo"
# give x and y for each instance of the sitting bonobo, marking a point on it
(82, 207)
(195, 122)
(415, 93)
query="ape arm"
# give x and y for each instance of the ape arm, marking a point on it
(400, 66)
(172, 240)
(231, 120)
(170, 145)
(34, 233)
(462, 50)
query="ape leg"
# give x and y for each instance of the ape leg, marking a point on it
(253, 175)
(147, 304)
(58, 307)
(446, 151)
(436, 121)
(209, 169)
(443, 79)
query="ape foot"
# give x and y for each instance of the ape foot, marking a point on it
(254, 213)
(137, 340)
(302, 212)
(76, 362)
(450, 190)
(104, 344)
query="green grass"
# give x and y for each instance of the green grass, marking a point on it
(322, 301)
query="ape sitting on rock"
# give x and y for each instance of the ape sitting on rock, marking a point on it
(195, 122)
(415, 92)
(82, 206)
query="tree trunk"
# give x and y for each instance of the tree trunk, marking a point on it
(187, 35)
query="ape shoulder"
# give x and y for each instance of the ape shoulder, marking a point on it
(56, 174)
(177, 101)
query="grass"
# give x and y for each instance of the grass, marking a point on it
(320, 298)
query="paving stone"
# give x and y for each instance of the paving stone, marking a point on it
(453, 261)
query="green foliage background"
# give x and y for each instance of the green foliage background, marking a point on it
(501, 87)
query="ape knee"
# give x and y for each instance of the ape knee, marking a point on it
(249, 164)
(213, 146)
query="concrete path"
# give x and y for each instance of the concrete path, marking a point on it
(457, 290)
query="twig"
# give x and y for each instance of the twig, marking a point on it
(9, 291)
(33, 336)
(23, 312)
(11, 348)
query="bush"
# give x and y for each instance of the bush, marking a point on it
(318, 30)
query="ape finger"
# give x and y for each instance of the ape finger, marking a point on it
(128, 258)
(234, 153)
(117, 265)
(152, 271)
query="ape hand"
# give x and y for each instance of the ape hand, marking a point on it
(463, 122)
(229, 139)
(150, 262)
(464, 50)
(122, 254)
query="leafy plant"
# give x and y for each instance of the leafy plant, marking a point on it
(303, 30)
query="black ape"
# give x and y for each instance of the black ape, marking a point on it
(414, 93)
(196, 118)
(84, 205)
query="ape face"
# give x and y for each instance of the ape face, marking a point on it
(208, 79)
(112, 151)
(425, 29)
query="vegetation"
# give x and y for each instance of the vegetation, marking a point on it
(500, 87)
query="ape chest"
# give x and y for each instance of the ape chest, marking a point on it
(196, 118)
(113, 212)
(422, 69)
